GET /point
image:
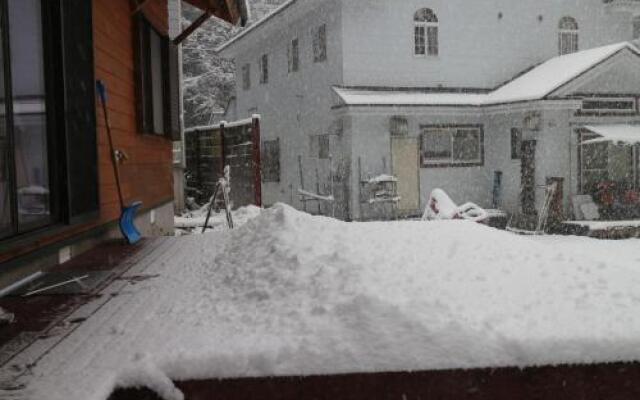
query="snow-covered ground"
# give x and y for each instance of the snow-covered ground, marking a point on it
(292, 294)
(193, 221)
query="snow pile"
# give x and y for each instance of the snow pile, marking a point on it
(293, 294)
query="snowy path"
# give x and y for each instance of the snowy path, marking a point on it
(291, 294)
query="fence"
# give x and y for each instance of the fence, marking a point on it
(208, 149)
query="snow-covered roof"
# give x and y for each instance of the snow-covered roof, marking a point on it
(626, 134)
(536, 84)
(549, 76)
(389, 97)
(252, 27)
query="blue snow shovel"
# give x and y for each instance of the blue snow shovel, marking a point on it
(127, 213)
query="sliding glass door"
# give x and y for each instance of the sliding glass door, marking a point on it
(25, 184)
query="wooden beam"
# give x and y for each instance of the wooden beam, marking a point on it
(140, 6)
(234, 12)
(189, 30)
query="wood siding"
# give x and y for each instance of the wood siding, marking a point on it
(147, 174)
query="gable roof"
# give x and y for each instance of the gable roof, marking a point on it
(551, 75)
(536, 84)
(268, 19)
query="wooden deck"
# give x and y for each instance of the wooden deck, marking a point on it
(37, 317)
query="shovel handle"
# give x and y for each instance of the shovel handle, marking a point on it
(102, 91)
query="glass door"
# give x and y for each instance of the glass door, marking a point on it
(25, 189)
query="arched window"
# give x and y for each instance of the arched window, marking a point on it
(425, 32)
(567, 36)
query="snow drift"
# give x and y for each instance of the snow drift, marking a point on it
(293, 294)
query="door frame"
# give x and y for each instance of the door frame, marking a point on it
(416, 140)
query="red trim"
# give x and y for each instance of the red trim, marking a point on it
(257, 162)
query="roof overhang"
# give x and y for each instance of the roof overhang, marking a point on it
(235, 12)
(622, 134)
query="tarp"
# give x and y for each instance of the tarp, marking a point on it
(618, 134)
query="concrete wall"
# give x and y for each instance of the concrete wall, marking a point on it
(295, 106)
(477, 48)
(556, 154)
(371, 143)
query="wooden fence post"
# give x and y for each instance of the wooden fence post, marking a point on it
(257, 162)
(222, 165)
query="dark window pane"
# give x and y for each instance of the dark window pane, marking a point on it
(594, 156)
(432, 36)
(516, 143)
(5, 180)
(157, 82)
(466, 145)
(30, 127)
(437, 145)
(420, 48)
(271, 161)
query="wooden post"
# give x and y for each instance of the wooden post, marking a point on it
(222, 160)
(257, 161)
(191, 28)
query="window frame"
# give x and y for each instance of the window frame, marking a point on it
(145, 88)
(271, 166)
(451, 162)
(320, 43)
(633, 110)
(635, 23)
(584, 135)
(568, 33)
(245, 70)
(430, 33)
(293, 56)
(53, 99)
(263, 69)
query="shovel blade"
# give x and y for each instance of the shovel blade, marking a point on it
(127, 226)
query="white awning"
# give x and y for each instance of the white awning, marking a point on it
(618, 134)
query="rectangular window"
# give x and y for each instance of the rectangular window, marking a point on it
(516, 143)
(636, 28)
(264, 69)
(607, 163)
(452, 146)
(568, 42)
(293, 56)
(153, 78)
(320, 44)
(246, 77)
(271, 160)
(609, 106)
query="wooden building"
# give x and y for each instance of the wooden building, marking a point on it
(57, 188)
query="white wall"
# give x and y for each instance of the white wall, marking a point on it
(295, 105)
(477, 49)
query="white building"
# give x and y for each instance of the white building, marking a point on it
(441, 93)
